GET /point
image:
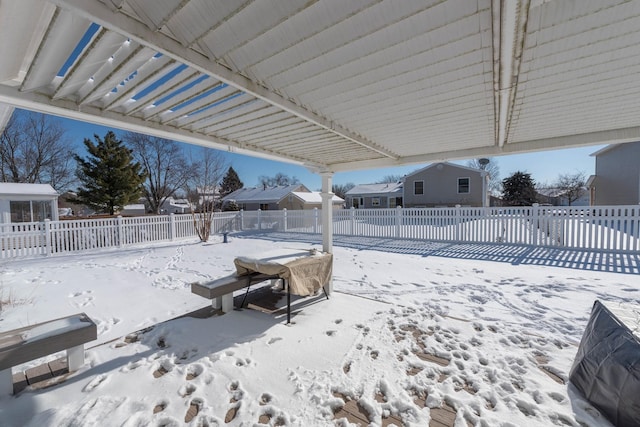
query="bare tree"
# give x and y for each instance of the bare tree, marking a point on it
(492, 168)
(165, 164)
(278, 179)
(34, 149)
(388, 179)
(571, 186)
(340, 190)
(203, 190)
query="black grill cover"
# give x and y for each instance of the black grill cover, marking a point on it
(606, 369)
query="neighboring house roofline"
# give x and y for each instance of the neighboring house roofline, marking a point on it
(257, 194)
(314, 199)
(374, 189)
(609, 148)
(27, 189)
(479, 171)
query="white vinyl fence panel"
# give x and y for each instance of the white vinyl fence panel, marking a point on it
(605, 228)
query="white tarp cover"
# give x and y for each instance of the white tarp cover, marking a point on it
(306, 272)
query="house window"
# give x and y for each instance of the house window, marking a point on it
(418, 187)
(392, 202)
(20, 211)
(30, 211)
(463, 185)
(375, 201)
(264, 206)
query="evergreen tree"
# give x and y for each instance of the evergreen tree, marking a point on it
(519, 189)
(109, 177)
(230, 183)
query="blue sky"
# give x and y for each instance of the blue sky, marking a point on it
(544, 167)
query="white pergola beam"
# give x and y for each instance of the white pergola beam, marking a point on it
(64, 108)
(129, 27)
(612, 136)
(509, 27)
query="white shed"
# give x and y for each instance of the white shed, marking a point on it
(27, 202)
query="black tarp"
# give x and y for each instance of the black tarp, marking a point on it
(606, 369)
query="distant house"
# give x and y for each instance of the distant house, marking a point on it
(557, 197)
(266, 198)
(208, 194)
(366, 196)
(27, 203)
(617, 177)
(446, 184)
(135, 209)
(311, 200)
(175, 206)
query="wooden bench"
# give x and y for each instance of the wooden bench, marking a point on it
(32, 342)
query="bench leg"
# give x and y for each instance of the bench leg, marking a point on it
(75, 357)
(227, 303)
(6, 383)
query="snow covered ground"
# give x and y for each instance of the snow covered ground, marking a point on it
(487, 331)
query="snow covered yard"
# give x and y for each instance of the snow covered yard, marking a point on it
(487, 332)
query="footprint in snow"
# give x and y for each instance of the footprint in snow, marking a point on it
(193, 371)
(194, 408)
(187, 390)
(96, 382)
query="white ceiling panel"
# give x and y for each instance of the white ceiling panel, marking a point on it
(331, 84)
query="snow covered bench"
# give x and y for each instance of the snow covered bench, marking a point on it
(32, 342)
(220, 291)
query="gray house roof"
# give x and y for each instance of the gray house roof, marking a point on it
(474, 170)
(263, 195)
(314, 197)
(23, 189)
(386, 188)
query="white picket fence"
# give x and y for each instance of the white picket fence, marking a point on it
(606, 228)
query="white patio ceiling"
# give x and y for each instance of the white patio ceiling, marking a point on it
(333, 84)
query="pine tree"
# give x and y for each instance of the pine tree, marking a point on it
(230, 183)
(109, 177)
(519, 189)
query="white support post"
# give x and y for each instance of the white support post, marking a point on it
(172, 226)
(259, 219)
(241, 219)
(352, 216)
(47, 236)
(120, 232)
(284, 219)
(398, 221)
(227, 302)
(6, 383)
(75, 357)
(315, 220)
(327, 218)
(458, 223)
(535, 225)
